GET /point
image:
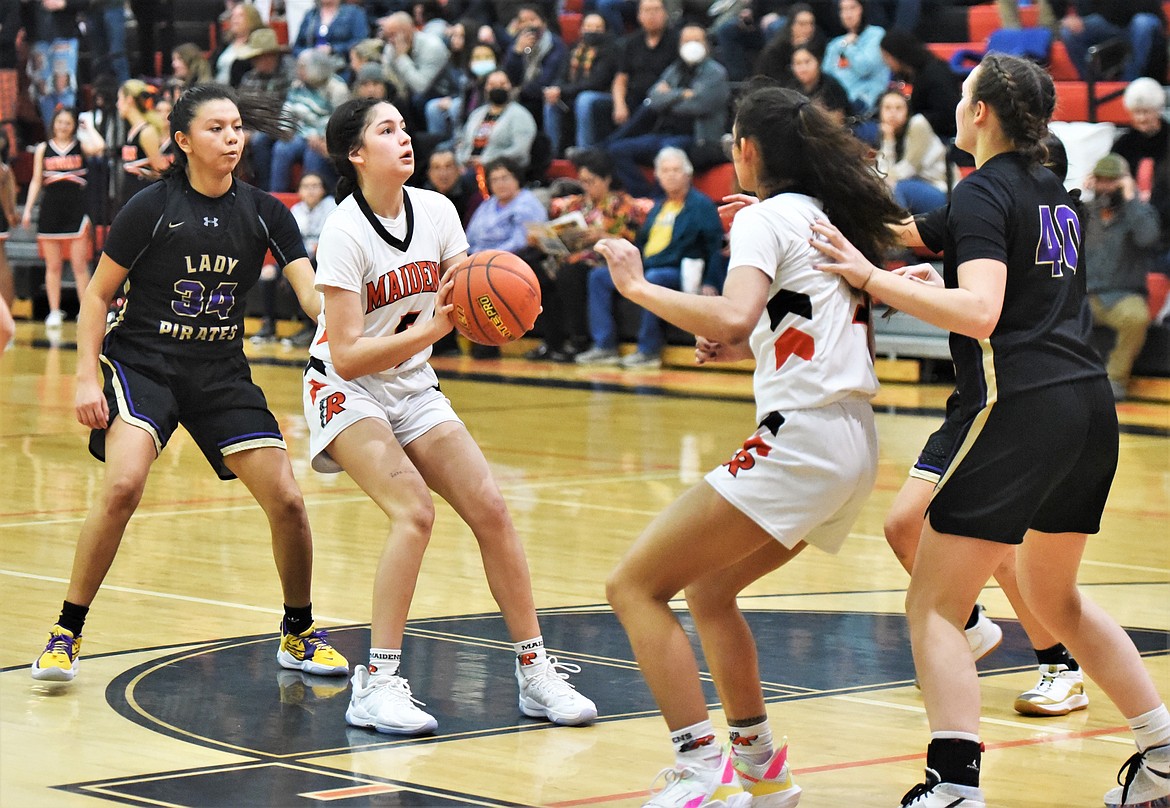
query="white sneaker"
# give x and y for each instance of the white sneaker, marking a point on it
(384, 702)
(55, 319)
(936, 794)
(700, 787)
(770, 783)
(641, 361)
(1059, 692)
(548, 694)
(598, 356)
(1146, 780)
(983, 637)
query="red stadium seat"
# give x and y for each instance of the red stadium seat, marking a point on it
(281, 29)
(1072, 102)
(1060, 65)
(561, 169)
(717, 182)
(1158, 286)
(570, 28)
(289, 199)
(574, 7)
(983, 20)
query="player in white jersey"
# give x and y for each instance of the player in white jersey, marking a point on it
(375, 410)
(804, 474)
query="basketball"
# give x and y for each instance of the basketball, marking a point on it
(496, 297)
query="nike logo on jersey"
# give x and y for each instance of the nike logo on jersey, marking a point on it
(173, 225)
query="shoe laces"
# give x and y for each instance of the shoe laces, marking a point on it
(397, 685)
(922, 789)
(60, 644)
(672, 775)
(554, 677)
(317, 639)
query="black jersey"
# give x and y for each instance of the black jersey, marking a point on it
(192, 260)
(1017, 212)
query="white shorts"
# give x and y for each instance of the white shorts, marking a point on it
(411, 405)
(810, 480)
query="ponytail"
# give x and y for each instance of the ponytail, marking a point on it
(343, 136)
(259, 113)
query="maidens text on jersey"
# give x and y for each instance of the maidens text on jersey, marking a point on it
(410, 279)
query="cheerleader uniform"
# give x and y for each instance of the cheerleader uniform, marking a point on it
(136, 171)
(63, 213)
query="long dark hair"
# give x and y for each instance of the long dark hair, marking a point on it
(259, 113)
(343, 135)
(1023, 97)
(804, 150)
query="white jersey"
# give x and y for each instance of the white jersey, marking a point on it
(393, 265)
(812, 343)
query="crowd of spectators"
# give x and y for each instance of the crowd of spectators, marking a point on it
(492, 93)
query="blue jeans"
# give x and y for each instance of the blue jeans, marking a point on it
(616, 12)
(259, 151)
(108, 32)
(1141, 32)
(603, 324)
(594, 113)
(442, 121)
(918, 196)
(554, 119)
(287, 152)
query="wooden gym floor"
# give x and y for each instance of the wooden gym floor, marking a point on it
(180, 702)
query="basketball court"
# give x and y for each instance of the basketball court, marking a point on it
(179, 700)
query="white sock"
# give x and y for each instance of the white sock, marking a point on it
(752, 742)
(530, 654)
(1152, 728)
(385, 660)
(696, 745)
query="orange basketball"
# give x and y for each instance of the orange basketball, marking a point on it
(496, 297)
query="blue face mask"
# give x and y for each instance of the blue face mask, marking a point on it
(481, 67)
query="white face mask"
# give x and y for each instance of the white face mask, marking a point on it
(481, 67)
(692, 52)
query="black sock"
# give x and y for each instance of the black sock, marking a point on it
(1056, 655)
(956, 760)
(973, 619)
(298, 619)
(72, 617)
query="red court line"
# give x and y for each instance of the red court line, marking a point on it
(346, 793)
(1063, 736)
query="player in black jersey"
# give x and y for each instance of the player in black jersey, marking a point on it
(1038, 445)
(192, 247)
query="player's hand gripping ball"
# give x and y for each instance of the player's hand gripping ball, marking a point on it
(496, 297)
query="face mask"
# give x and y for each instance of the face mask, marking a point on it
(481, 67)
(593, 38)
(1111, 200)
(692, 52)
(498, 96)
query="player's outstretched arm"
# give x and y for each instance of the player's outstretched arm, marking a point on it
(89, 400)
(300, 276)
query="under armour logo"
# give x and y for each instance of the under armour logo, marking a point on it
(209, 221)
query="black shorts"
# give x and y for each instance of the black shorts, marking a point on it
(214, 399)
(1042, 460)
(940, 446)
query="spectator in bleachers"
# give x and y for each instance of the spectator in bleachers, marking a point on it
(188, 68)
(446, 115)
(141, 152)
(810, 79)
(1121, 237)
(935, 88)
(106, 28)
(534, 58)
(418, 60)
(271, 69)
(684, 224)
(901, 15)
(686, 108)
(228, 63)
(1146, 147)
(446, 175)
(590, 68)
(332, 27)
(642, 57)
(1092, 22)
(1009, 14)
(740, 39)
(775, 59)
(500, 128)
(310, 102)
(911, 157)
(855, 58)
(59, 170)
(368, 51)
(609, 212)
(501, 221)
(312, 208)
